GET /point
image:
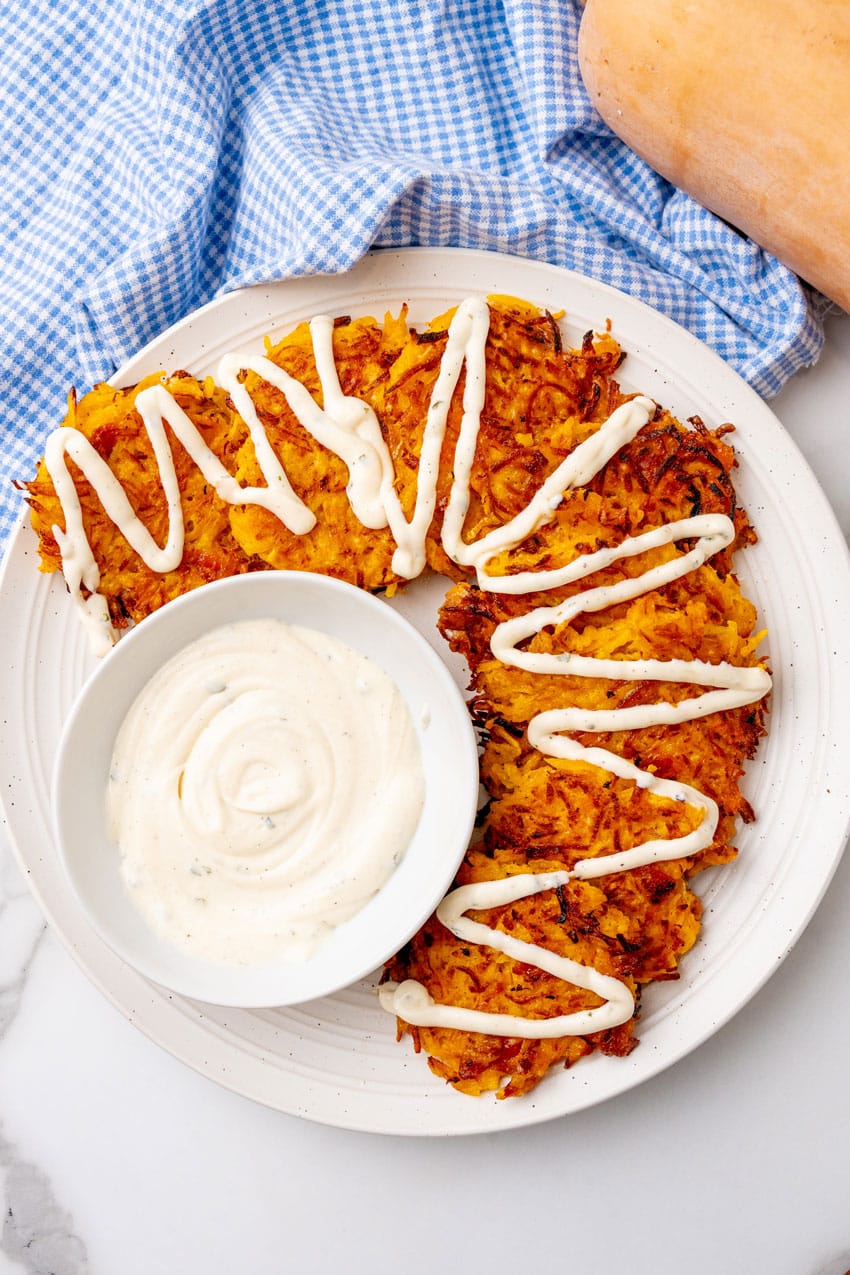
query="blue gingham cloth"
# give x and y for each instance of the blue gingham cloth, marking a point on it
(156, 154)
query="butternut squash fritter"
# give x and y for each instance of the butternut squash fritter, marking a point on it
(339, 545)
(542, 813)
(108, 419)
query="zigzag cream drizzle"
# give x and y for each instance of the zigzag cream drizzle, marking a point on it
(348, 427)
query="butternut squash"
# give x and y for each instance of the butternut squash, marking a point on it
(745, 106)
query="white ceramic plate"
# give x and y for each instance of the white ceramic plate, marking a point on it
(336, 1060)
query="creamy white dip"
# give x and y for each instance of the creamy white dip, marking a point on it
(263, 787)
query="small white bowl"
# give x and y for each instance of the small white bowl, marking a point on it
(450, 764)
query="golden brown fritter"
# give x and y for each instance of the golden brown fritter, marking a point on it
(634, 927)
(541, 401)
(108, 419)
(339, 545)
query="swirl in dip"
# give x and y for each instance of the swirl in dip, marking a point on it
(263, 787)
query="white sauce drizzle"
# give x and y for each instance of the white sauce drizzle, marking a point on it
(411, 1001)
(348, 427)
(264, 786)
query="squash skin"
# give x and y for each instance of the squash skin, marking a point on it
(746, 107)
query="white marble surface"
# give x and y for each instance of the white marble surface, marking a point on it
(115, 1159)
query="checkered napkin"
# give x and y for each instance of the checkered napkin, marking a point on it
(156, 154)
